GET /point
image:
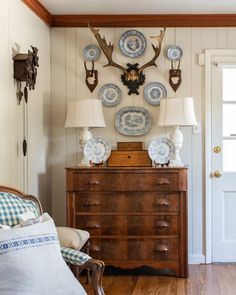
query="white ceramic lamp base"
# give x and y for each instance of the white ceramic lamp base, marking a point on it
(85, 135)
(177, 138)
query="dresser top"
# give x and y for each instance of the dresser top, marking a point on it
(166, 169)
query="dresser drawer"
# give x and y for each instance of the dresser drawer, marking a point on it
(128, 224)
(134, 249)
(127, 182)
(127, 202)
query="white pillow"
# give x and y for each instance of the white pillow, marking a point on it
(31, 221)
(31, 263)
(71, 237)
(26, 215)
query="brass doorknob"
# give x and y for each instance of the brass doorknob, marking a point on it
(217, 149)
(217, 174)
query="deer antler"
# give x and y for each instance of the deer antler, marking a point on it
(157, 50)
(106, 48)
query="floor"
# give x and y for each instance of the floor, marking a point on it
(216, 279)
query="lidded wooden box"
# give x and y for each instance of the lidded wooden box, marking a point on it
(129, 154)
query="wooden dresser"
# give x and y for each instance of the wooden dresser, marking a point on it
(136, 216)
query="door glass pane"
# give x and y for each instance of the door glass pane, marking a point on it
(229, 155)
(229, 84)
(229, 119)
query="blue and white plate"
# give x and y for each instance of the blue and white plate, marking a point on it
(132, 43)
(91, 53)
(110, 95)
(154, 92)
(174, 53)
(97, 150)
(161, 150)
(133, 121)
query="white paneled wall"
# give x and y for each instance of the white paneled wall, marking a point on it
(20, 28)
(68, 82)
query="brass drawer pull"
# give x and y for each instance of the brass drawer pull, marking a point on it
(93, 182)
(92, 224)
(162, 224)
(163, 203)
(89, 203)
(163, 181)
(94, 248)
(161, 249)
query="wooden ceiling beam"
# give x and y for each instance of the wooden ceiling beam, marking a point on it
(132, 20)
(146, 20)
(39, 10)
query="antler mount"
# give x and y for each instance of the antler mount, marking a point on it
(132, 76)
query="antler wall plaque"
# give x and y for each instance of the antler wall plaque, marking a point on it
(175, 78)
(132, 76)
(91, 79)
(25, 70)
(174, 54)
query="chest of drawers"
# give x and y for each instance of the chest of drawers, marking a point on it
(136, 216)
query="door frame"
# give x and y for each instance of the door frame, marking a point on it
(209, 55)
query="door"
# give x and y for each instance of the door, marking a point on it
(223, 159)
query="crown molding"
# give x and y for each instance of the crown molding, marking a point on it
(132, 20)
(146, 20)
(39, 10)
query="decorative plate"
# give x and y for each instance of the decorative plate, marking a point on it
(161, 150)
(133, 121)
(132, 43)
(154, 92)
(91, 52)
(97, 150)
(110, 95)
(174, 53)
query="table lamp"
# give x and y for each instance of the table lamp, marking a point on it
(176, 112)
(84, 114)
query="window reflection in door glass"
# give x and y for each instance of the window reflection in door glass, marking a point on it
(229, 119)
(229, 155)
(229, 83)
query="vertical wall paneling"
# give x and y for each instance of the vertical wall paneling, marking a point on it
(170, 39)
(58, 97)
(153, 74)
(70, 91)
(103, 74)
(222, 38)
(83, 38)
(68, 82)
(183, 39)
(32, 173)
(196, 85)
(231, 38)
(4, 103)
(209, 38)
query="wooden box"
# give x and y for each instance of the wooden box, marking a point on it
(130, 146)
(129, 159)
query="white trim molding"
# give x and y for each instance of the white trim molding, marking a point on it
(196, 259)
(209, 55)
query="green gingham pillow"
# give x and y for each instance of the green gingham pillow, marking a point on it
(73, 256)
(11, 206)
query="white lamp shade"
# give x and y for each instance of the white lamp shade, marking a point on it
(177, 112)
(85, 113)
